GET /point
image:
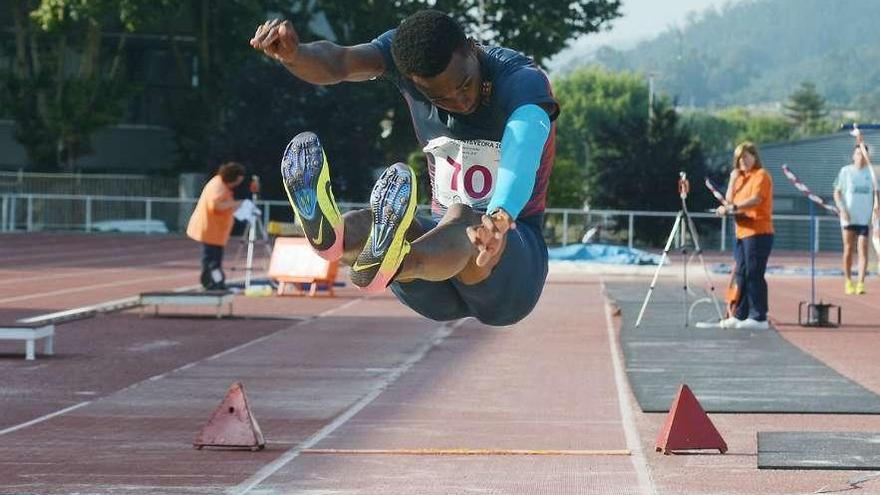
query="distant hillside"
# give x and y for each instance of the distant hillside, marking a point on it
(758, 51)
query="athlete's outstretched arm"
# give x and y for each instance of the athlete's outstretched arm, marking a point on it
(522, 145)
(319, 62)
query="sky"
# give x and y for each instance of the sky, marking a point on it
(641, 19)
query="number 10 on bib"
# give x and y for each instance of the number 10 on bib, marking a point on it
(464, 171)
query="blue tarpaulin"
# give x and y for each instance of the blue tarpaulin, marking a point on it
(603, 253)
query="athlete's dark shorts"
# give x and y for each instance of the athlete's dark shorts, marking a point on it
(508, 295)
(860, 230)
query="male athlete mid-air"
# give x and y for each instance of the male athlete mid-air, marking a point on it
(484, 117)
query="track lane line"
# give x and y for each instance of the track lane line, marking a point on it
(630, 432)
(44, 418)
(103, 270)
(239, 347)
(440, 334)
(87, 288)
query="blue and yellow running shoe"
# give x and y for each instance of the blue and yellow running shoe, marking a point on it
(306, 177)
(393, 205)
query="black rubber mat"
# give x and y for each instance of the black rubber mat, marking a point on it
(737, 371)
(819, 450)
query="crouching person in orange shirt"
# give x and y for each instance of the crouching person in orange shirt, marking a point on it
(211, 222)
(750, 199)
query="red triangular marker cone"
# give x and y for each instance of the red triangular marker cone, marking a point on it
(232, 424)
(688, 427)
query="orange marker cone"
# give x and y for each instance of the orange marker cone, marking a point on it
(688, 427)
(232, 424)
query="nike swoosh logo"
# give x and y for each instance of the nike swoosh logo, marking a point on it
(359, 268)
(320, 238)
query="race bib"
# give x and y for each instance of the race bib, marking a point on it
(464, 171)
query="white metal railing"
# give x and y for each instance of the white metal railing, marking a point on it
(644, 229)
(35, 212)
(648, 229)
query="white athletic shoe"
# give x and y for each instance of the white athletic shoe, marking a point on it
(731, 322)
(750, 324)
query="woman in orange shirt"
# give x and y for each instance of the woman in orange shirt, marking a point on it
(211, 222)
(750, 199)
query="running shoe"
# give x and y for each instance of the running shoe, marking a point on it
(849, 288)
(393, 206)
(752, 324)
(731, 322)
(306, 178)
(860, 288)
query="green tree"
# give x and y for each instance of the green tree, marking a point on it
(638, 162)
(627, 160)
(708, 62)
(688, 75)
(591, 98)
(540, 29)
(717, 132)
(64, 86)
(567, 188)
(247, 107)
(720, 132)
(868, 105)
(638, 165)
(806, 110)
(230, 102)
(766, 129)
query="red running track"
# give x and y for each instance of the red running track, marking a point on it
(116, 409)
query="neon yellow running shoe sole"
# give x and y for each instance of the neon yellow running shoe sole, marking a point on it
(306, 178)
(393, 206)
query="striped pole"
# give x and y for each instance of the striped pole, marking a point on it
(715, 192)
(814, 234)
(800, 186)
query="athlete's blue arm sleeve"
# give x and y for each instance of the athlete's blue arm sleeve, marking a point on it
(522, 145)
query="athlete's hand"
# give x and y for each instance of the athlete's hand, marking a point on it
(844, 216)
(721, 211)
(488, 236)
(277, 39)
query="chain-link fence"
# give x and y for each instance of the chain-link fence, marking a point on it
(639, 229)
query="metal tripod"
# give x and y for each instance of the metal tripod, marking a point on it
(254, 228)
(684, 226)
